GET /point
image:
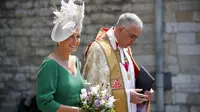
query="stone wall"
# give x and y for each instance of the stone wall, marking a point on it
(25, 28)
(182, 54)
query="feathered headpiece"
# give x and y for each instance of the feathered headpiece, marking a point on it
(67, 20)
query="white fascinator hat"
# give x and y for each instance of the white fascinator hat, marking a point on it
(68, 19)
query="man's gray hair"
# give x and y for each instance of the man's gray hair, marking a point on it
(128, 19)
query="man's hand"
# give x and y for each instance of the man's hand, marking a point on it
(136, 97)
(149, 94)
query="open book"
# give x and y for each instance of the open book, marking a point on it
(144, 81)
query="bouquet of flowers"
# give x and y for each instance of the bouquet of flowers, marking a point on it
(96, 99)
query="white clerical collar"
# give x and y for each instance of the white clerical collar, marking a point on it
(112, 38)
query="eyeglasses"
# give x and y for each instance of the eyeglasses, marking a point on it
(132, 35)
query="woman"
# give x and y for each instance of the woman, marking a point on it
(59, 80)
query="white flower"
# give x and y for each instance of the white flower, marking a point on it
(103, 110)
(85, 102)
(94, 90)
(97, 87)
(83, 96)
(102, 102)
(111, 99)
(109, 104)
(104, 92)
(83, 91)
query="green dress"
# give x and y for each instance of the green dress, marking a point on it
(56, 86)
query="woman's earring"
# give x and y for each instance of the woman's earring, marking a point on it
(58, 43)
